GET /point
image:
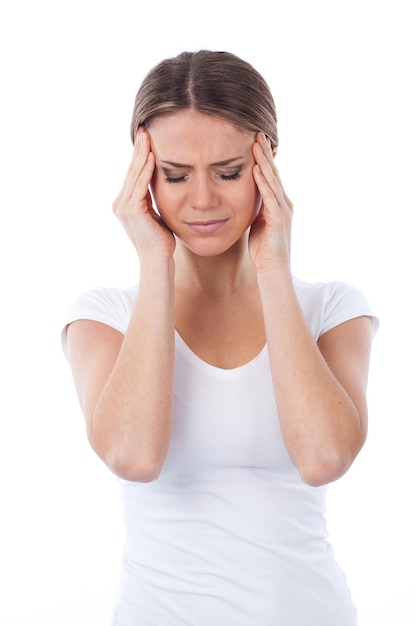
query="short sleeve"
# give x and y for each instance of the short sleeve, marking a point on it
(341, 303)
(326, 305)
(107, 305)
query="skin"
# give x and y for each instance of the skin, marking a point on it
(215, 266)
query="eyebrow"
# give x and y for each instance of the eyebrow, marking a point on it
(218, 163)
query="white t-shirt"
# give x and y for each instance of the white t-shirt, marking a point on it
(229, 534)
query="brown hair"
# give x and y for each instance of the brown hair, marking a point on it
(216, 83)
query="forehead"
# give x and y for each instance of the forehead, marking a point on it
(189, 133)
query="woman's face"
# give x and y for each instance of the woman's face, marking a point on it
(203, 185)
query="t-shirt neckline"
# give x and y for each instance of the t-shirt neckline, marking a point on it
(219, 372)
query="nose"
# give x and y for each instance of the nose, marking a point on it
(203, 194)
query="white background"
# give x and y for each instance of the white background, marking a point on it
(344, 78)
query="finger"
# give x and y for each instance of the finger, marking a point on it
(139, 201)
(286, 198)
(139, 158)
(141, 190)
(264, 159)
(135, 195)
(268, 176)
(266, 146)
(269, 195)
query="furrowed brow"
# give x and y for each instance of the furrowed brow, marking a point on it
(217, 164)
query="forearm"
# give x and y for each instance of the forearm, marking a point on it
(132, 419)
(319, 422)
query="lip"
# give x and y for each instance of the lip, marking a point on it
(206, 228)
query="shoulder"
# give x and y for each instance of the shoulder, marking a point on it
(109, 305)
(328, 304)
(103, 301)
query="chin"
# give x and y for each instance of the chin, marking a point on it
(210, 247)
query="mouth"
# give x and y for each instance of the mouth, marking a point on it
(206, 228)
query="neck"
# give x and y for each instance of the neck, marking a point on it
(220, 275)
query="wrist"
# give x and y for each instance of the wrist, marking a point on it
(277, 273)
(276, 285)
(153, 270)
(156, 263)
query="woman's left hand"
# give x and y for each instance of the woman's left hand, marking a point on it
(270, 234)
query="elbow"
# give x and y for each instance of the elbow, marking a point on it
(327, 463)
(126, 463)
(133, 470)
(325, 468)
(132, 467)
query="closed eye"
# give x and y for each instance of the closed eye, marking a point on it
(234, 176)
(171, 179)
(179, 179)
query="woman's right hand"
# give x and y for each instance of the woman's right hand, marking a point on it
(133, 206)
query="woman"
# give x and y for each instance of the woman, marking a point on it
(224, 393)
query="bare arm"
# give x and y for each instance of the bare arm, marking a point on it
(320, 388)
(125, 384)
